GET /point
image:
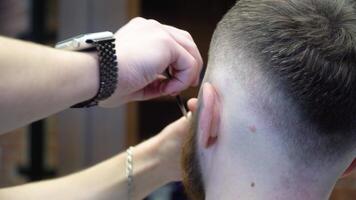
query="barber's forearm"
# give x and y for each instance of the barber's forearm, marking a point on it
(37, 81)
(105, 181)
(108, 180)
(150, 171)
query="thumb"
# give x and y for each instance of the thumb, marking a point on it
(193, 104)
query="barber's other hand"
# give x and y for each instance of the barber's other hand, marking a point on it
(169, 144)
(145, 49)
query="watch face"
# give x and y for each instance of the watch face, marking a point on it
(70, 39)
(82, 42)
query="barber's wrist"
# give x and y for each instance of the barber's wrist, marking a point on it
(148, 172)
(118, 98)
(157, 154)
(88, 75)
(166, 166)
(78, 75)
(126, 81)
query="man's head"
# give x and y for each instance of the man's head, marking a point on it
(283, 94)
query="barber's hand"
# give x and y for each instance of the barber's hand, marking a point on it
(145, 49)
(170, 143)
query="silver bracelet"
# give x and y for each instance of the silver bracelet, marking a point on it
(129, 172)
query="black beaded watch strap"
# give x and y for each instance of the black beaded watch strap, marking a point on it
(108, 72)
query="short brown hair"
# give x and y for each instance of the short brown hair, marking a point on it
(309, 48)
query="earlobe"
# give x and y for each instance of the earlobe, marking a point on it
(209, 116)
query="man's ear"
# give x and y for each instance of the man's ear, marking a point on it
(209, 116)
(351, 168)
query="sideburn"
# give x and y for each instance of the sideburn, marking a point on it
(192, 177)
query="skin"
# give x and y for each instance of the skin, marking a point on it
(263, 146)
(206, 149)
(155, 164)
(45, 80)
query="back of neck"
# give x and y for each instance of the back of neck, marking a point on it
(268, 186)
(259, 169)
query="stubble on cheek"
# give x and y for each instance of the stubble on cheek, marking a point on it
(192, 177)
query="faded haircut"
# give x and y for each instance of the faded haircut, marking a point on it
(308, 47)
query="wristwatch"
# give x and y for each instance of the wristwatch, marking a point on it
(104, 44)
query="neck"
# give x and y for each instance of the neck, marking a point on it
(268, 184)
(252, 163)
(254, 157)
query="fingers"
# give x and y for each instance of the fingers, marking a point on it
(186, 60)
(147, 48)
(152, 90)
(185, 71)
(186, 41)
